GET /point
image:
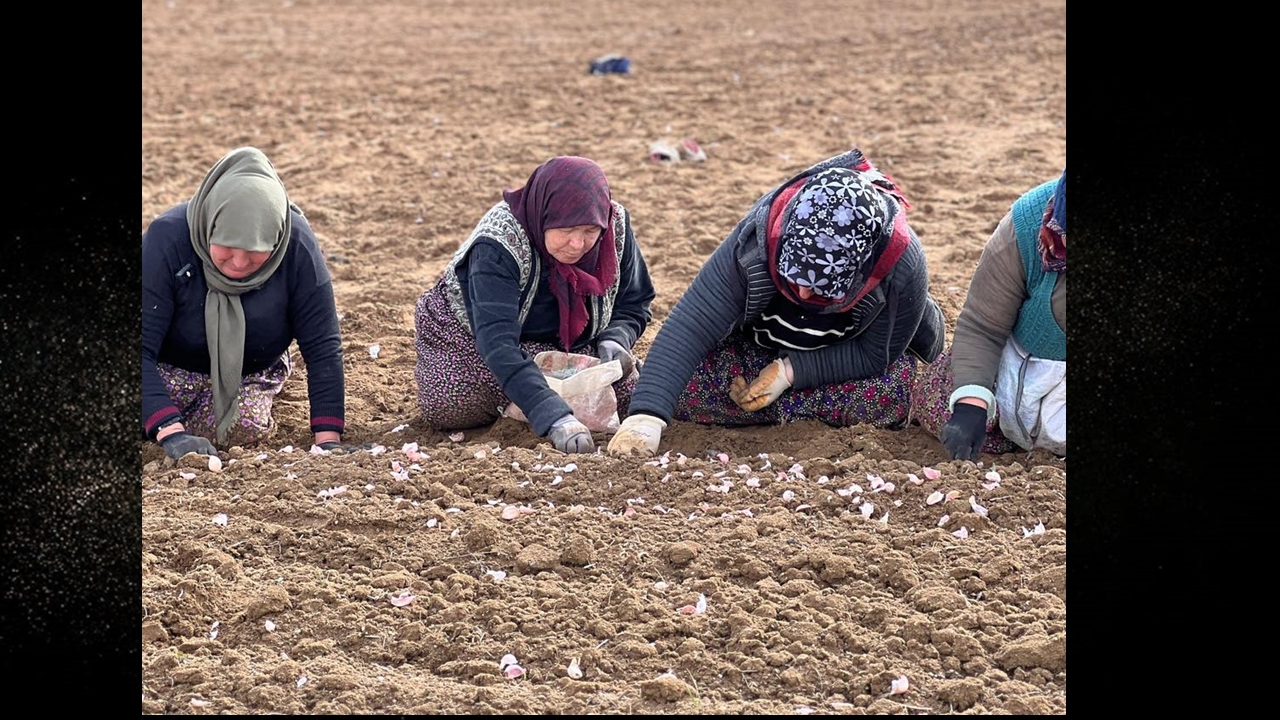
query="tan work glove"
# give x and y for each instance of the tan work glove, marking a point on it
(638, 434)
(767, 387)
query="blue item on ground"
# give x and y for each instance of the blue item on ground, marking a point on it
(607, 64)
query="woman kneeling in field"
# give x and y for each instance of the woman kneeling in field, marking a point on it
(820, 293)
(553, 266)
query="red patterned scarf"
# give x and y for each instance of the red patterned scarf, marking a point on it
(1053, 229)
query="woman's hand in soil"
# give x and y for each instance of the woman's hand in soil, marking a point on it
(638, 434)
(965, 432)
(182, 442)
(571, 436)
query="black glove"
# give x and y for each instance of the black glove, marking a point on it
(571, 436)
(181, 443)
(965, 432)
(609, 350)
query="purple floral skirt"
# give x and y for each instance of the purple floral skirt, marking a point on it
(882, 400)
(192, 392)
(456, 390)
(933, 386)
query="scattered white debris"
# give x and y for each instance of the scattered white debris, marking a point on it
(973, 503)
(510, 666)
(374, 350)
(398, 472)
(698, 609)
(220, 519)
(511, 512)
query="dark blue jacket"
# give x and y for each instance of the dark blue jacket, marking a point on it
(296, 303)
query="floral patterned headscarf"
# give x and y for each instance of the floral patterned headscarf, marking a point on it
(838, 221)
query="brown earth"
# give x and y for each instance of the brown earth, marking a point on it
(394, 126)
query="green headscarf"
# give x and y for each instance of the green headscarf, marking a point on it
(241, 204)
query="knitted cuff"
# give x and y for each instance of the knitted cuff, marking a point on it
(974, 391)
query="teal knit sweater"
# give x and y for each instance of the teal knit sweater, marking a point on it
(1036, 329)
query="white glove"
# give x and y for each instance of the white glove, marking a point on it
(767, 387)
(637, 434)
(571, 436)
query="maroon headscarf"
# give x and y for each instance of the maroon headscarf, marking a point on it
(563, 192)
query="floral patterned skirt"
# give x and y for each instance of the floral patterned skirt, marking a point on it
(882, 400)
(192, 392)
(456, 390)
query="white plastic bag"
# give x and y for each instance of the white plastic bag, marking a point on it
(585, 383)
(1031, 394)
